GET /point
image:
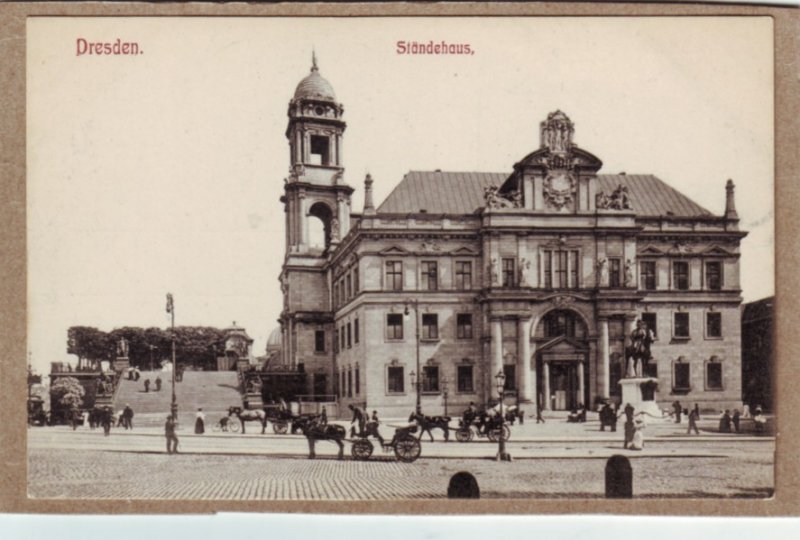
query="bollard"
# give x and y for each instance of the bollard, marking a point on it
(463, 486)
(619, 478)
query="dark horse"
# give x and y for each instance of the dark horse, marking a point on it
(315, 431)
(249, 416)
(428, 423)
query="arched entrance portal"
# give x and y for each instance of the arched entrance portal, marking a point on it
(562, 354)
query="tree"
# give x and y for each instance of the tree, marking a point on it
(68, 392)
(90, 343)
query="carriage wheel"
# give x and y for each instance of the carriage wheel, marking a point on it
(506, 433)
(234, 427)
(361, 449)
(492, 434)
(464, 435)
(280, 427)
(407, 449)
(216, 427)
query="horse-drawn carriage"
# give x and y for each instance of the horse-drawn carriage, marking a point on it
(482, 424)
(407, 448)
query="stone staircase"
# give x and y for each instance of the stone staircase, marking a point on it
(214, 391)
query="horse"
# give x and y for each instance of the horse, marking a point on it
(314, 431)
(249, 416)
(428, 423)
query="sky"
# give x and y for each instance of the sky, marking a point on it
(162, 172)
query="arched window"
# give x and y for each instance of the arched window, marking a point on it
(563, 323)
(319, 225)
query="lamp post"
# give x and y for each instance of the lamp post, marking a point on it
(174, 404)
(152, 348)
(415, 378)
(502, 455)
(444, 393)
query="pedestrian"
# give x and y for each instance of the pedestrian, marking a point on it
(147, 385)
(200, 422)
(358, 417)
(108, 418)
(637, 442)
(678, 410)
(539, 417)
(74, 415)
(725, 422)
(136, 374)
(375, 417)
(746, 411)
(158, 384)
(697, 410)
(629, 427)
(127, 416)
(759, 421)
(693, 417)
(735, 419)
(323, 416)
(169, 433)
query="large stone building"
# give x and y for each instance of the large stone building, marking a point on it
(539, 272)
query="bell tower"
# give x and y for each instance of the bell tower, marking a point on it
(316, 198)
(316, 203)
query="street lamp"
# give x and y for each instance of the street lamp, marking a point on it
(152, 348)
(444, 393)
(415, 378)
(502, 455)
(174, 405)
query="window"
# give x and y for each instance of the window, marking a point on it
(320, 383)
(319, 341)
(394, 326)
(510, 371)
(349, 336)
(465, 380)
(616, 370)
(714, 374)
(355, 279)
(713, 276)
(509, 276)
(650, 320)
(355, 330)
(614, 270)
(680, 275)
(647, 275)
(335, 294)
(681, 327)
(681, 376)
(429, 276)
(343, 338)
(713, 325)
(394, 275)
(395, 380)
(559, 323)
(651, 369)
(561, 270)
(349, 287)
(430, 379)
(573, 269)
(336, 340)
(464, 326)
(548, 269)
(343, 388)
(463, 275)
(430, 326)
(319, 150)
(358, 381)
(349, 383)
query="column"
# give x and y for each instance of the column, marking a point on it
(526, 391)
(546, 386)
(497, 354)
(342, 215)
(581, 389)
(303, 217)
(630, 325)
(605, 369)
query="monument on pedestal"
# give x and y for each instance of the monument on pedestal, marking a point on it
(122, 362)
(639, 390)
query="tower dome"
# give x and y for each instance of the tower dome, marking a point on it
(275, 340)
(314, 86)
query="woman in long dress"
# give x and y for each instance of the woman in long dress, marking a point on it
(638, 434)
(200, 422)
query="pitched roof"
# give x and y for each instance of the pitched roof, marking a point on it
(443, 192)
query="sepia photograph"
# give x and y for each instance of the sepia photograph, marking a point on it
(345, 259)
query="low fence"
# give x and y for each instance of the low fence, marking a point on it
(313, 404)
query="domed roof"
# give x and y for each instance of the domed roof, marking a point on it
(275, 340)
(314, 86)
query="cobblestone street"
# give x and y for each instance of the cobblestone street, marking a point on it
(84, 464)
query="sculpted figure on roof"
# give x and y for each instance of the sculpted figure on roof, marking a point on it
(618, 200)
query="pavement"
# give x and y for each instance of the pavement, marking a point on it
(554, 459)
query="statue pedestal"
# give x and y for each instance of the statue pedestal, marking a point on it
(121, 363)
(640, 392)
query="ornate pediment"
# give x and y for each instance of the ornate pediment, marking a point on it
(718, 250)
(463, 252)
(394, 250)
(649, 250)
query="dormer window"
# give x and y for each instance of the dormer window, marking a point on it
(320, 150)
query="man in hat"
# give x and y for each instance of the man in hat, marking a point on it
(127, 416)
(169, 433)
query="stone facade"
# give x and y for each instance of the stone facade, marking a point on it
(540, 273)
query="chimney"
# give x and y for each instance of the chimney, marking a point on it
(369, 206)
(730, 205)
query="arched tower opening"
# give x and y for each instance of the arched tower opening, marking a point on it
(320, 217)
